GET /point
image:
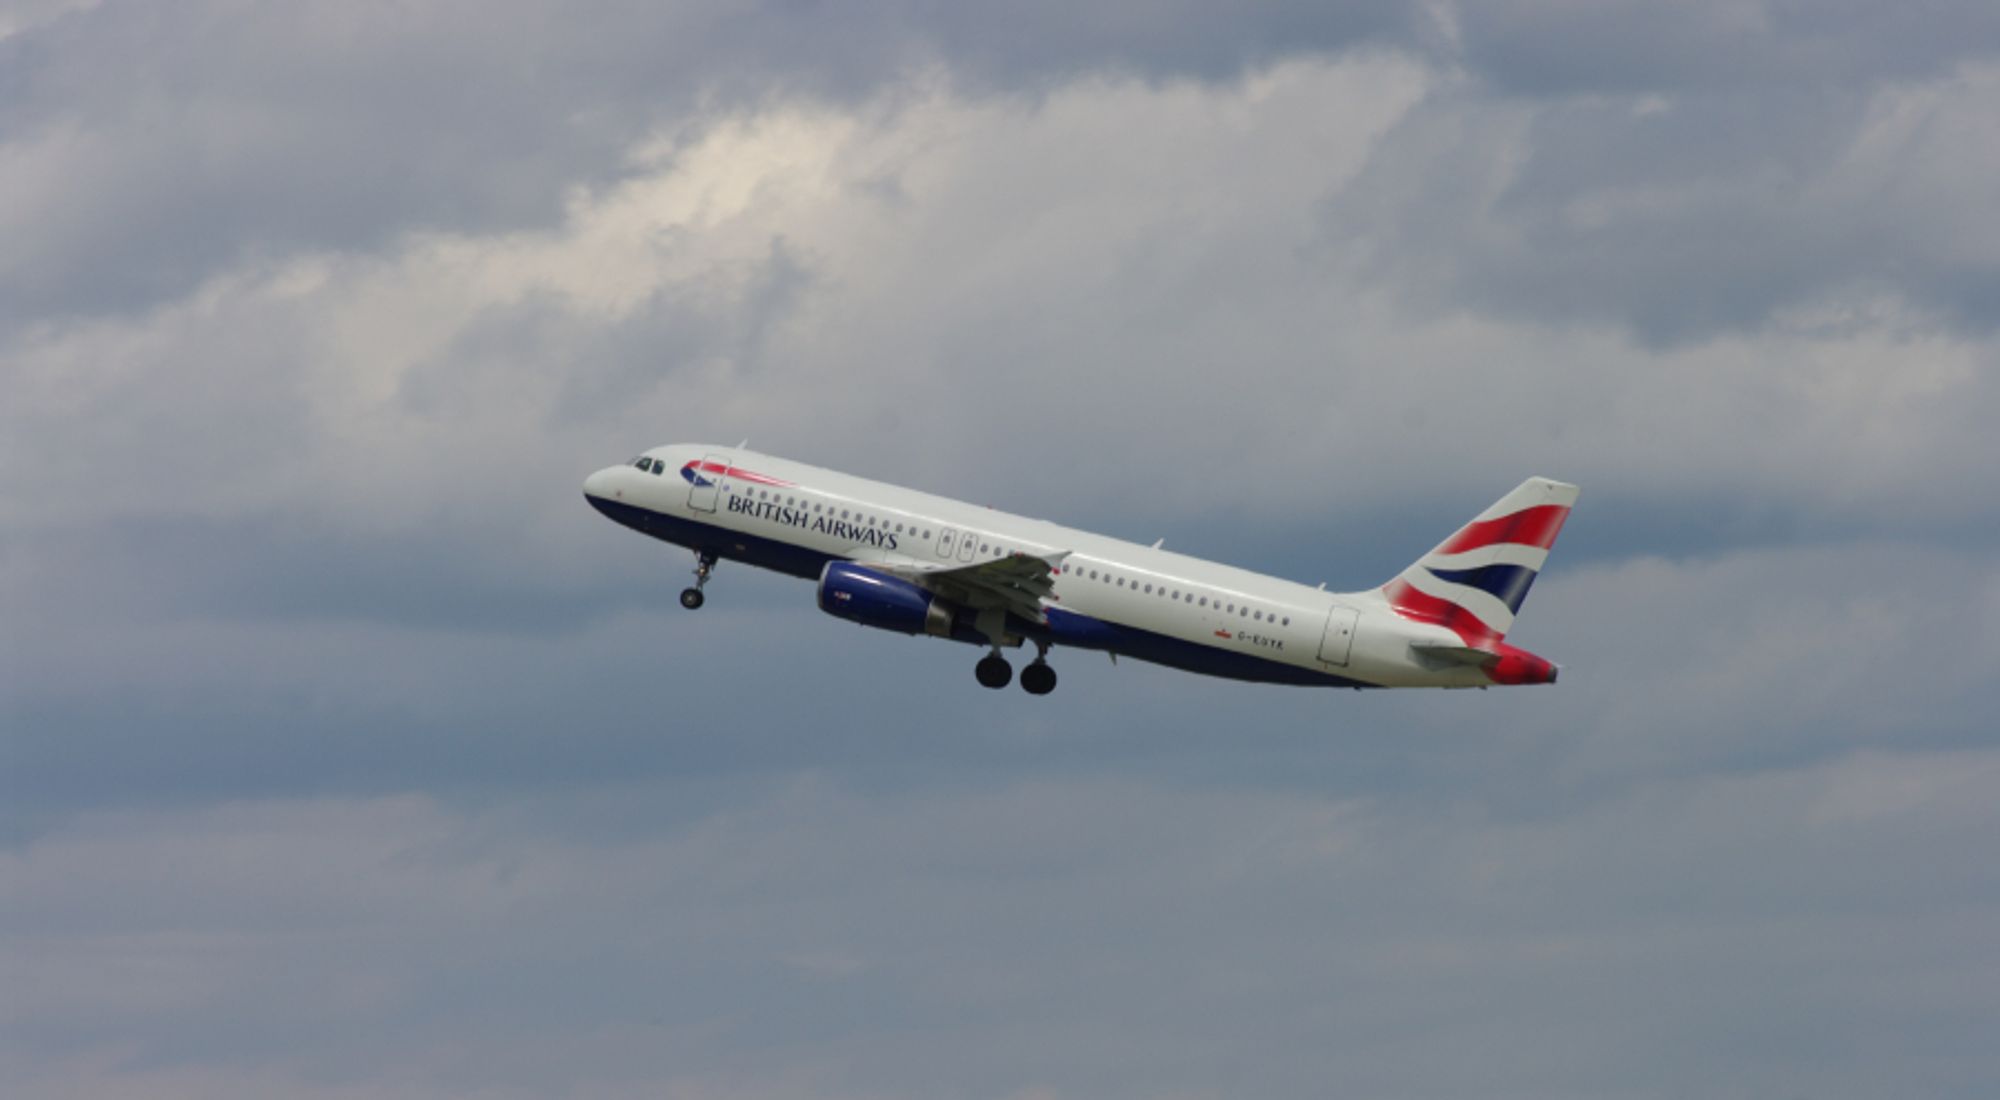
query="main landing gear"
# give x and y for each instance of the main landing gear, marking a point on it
(993, 671)
(692, 598)
(1037, 679)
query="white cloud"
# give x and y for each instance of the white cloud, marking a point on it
(958, 288)
(21, 16)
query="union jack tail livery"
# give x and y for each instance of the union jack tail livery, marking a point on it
(1473, 582)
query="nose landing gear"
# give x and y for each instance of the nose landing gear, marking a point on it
(691, 598)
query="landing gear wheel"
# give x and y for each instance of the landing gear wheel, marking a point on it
(1038, 679)
(993, 671)
(704, 564)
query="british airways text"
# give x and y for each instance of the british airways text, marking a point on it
(794, 517)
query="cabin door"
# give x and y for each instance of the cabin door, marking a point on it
(707, 477)
(1338, 641)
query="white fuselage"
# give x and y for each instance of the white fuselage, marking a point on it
(1133, 600)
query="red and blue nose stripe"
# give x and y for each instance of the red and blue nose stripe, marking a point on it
(693, 471)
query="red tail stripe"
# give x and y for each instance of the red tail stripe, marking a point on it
(1535, 526)
(1411, 603)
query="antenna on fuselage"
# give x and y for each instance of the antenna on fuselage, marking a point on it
(1157, 543)
(745, 445)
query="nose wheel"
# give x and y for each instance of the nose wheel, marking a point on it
(691, 598)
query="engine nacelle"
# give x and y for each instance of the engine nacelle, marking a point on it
(861, 595)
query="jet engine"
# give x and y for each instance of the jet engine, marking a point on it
(861, 595)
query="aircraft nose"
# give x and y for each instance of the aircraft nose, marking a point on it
(601, 489)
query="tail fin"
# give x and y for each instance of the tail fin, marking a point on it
(1475, 580)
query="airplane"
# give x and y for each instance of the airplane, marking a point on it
(907, 561)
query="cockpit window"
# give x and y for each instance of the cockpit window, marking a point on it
(641, 461)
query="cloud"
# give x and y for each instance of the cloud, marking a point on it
(1691, 216)
(348, 754)
(1554, 48)
(1149, 938)
(150, 149)
(866, 287)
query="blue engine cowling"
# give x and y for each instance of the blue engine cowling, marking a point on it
(864, 596)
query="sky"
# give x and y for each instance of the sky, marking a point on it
(346, 754)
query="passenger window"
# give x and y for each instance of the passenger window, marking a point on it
(927, 532)
(843, 513)
(1245, 611)
(1287, 622)
(1121, 582)
(1204, 601)
(1149, 590)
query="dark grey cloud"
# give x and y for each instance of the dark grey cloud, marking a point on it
(1558, 48)
(152, 148)
(1064, 935)
(161, 145)
(1709, 214)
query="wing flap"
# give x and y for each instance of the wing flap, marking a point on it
(1017, 583)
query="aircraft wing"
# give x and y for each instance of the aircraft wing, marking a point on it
(1017, 583)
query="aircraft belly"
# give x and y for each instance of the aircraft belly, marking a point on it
(1069, 628)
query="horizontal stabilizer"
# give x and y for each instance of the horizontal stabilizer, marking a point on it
(1457, 654)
